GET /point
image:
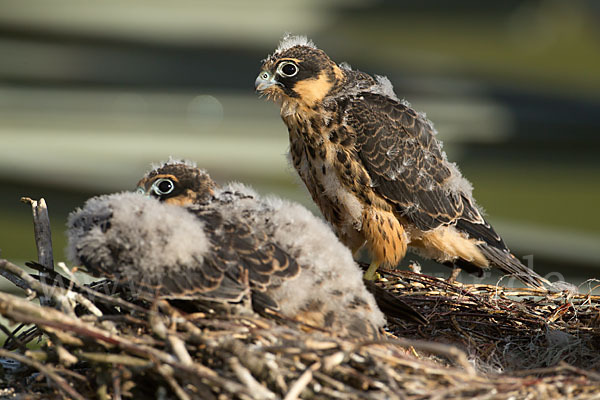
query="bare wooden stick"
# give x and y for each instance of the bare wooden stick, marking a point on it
(303, 381)
(18, 282)
(41, 227)
(47, 371)
(122, 359)
(245, 376)
(43, 238)
(55, 292)
(12, 337)
(90, 290)
(167, 372)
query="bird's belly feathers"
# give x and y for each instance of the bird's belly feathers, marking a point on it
(339, 205)
(341, 188)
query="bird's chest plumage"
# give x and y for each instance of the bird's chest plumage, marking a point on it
(317, 159)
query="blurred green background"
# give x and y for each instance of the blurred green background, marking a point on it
(91, 93)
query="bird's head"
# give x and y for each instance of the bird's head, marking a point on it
(298, 72)
(177, 183)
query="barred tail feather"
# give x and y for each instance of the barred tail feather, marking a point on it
(505, 261)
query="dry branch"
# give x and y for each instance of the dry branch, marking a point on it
(43, 236)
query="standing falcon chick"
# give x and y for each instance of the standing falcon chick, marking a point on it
(232, 246)
(375, 168)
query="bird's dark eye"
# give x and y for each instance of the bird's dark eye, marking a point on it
(288, 69)
(163, 186)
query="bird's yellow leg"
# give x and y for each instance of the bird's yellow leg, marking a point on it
(371, 273)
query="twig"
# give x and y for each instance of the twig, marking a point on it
(116, 381)
(43, 237)
(167, 372)
(61, 295)
(557, 369)
(303, 381)
(47, 371)
(41, 228)
(18, 282)
(90, 290)
(41, 288)
(10, 336)
(24, 337)
(439, 349)
(178, 348)
(258, 390)
(122, 359)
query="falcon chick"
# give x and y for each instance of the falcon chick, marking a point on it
(226, 248)
(375, 168)
(183, 184)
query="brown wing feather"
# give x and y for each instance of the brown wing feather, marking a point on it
(406, 165)
(244, 258)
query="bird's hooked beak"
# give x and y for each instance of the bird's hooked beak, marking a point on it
(265, 80)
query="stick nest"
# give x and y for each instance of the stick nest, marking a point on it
(96, 341)
(482, 341)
